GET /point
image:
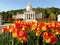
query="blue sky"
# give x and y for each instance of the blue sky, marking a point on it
(6, 5)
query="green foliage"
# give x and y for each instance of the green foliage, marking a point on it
(46, 12)
(52, 16)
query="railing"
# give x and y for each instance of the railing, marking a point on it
(46, 19)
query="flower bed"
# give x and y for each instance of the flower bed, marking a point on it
(31, 33)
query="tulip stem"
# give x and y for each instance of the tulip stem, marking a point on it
(43, 42)
(12, 42)
(22, 44)
(37, 41)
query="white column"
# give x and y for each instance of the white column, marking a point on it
(34, 16)
(26, 16)
(29, 16)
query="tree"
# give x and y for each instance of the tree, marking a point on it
(52, 15)
(3, 15)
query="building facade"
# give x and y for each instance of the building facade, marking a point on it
(58, 18)
(1, 20)
(29, 14)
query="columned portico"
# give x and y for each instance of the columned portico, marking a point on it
(29, 15)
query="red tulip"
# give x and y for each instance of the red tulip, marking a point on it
(54, 40)
(4, 29)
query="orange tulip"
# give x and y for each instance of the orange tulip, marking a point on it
(38, 33)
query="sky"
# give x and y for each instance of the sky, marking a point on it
(6, 5)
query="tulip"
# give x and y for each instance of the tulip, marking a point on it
(4, 29)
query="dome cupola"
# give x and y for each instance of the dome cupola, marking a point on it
(29, 7)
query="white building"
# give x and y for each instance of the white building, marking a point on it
(29, 15)
(0, 19)
(59, 17)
